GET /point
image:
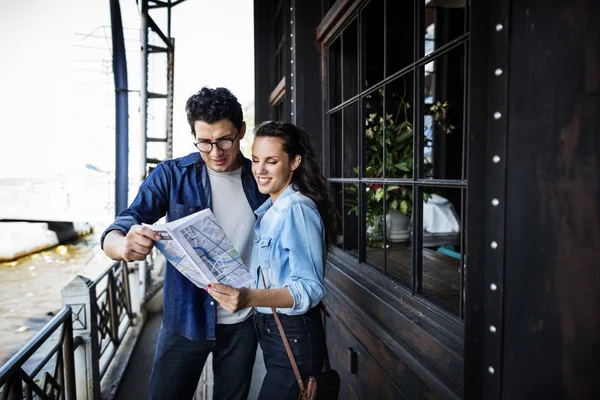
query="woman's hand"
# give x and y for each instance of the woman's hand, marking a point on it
(229, 298)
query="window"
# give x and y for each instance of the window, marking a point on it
(278, 73)
(395, 127)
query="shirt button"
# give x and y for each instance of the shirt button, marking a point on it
(212, 303)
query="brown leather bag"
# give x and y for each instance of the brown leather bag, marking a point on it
(322, 386)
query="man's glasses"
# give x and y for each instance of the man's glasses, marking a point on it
(222, 144)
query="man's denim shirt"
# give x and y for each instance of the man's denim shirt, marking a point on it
(290, 250)
(177, 188)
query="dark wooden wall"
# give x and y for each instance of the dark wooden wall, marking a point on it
(552, 299)
(548, 334)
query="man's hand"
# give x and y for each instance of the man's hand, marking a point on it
(134, 246)
(231, 299)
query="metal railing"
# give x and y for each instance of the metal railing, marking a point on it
(96, 316)
(58, 383)
(113, 310)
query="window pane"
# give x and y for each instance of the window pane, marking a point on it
(279, 111)
(278, 43)
(335, 73)
(399, 154)
(373, 134)
(337, 192)
(443, 116)
(442, 251)
(350, 219)
(375, 224)
(336, 149)
(400, 35)
(350, 61)
(373, 43)
(398, 233)
(444, 21)
(349, 146)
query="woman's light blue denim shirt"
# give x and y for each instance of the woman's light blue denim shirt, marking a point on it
(290, 250)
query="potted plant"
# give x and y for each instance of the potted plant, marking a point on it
(398, 156)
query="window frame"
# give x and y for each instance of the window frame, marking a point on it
(339, 17)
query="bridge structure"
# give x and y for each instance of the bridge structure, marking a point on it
(87, 346)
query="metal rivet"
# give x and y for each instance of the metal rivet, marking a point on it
(291, 35)
(291, 48)
(291, 22)
(291, 88)
(292, 74)
(495, 202)
(498, 72)
(496, 159)
(499, 27)
(492, 329)
(491, 370)
(494, 245)
(493, 287)
(212, 303)
(291, 113)
(292, 100)
(295, 340)
(497, 115)
(291, 8)
(292, 61)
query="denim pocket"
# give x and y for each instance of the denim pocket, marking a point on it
(298, 334)
(264, 252)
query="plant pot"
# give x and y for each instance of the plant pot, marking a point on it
(398, 226)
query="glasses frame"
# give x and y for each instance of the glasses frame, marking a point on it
(232, 140)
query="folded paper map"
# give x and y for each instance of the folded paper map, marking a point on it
(199, 249)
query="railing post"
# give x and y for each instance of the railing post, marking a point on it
(135, 297)
(15, 387)
(80, 295)
(113, 310)
(69, 361)
(127, 289)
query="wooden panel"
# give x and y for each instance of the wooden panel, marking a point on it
(369, 379)
(552, 294)
(399, 337)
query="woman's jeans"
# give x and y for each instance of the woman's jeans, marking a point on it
(307, 341)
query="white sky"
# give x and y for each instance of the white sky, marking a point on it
(55, 114)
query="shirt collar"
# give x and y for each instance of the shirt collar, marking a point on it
(195, 158)
(291, 189)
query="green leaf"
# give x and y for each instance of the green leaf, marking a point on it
(404, 207)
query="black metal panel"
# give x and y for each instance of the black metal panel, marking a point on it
(495, 199)
(479, 73)
(552, 296)
(262, 59)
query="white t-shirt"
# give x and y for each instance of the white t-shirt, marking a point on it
(234, 214)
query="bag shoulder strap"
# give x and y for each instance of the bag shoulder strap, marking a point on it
(286, 344)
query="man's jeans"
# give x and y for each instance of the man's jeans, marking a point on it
(178, 363)
(307, 341)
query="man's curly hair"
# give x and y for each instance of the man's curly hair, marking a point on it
(213, 105)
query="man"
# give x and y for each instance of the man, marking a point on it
(219, 178)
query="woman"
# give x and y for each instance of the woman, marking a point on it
(293, 231)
